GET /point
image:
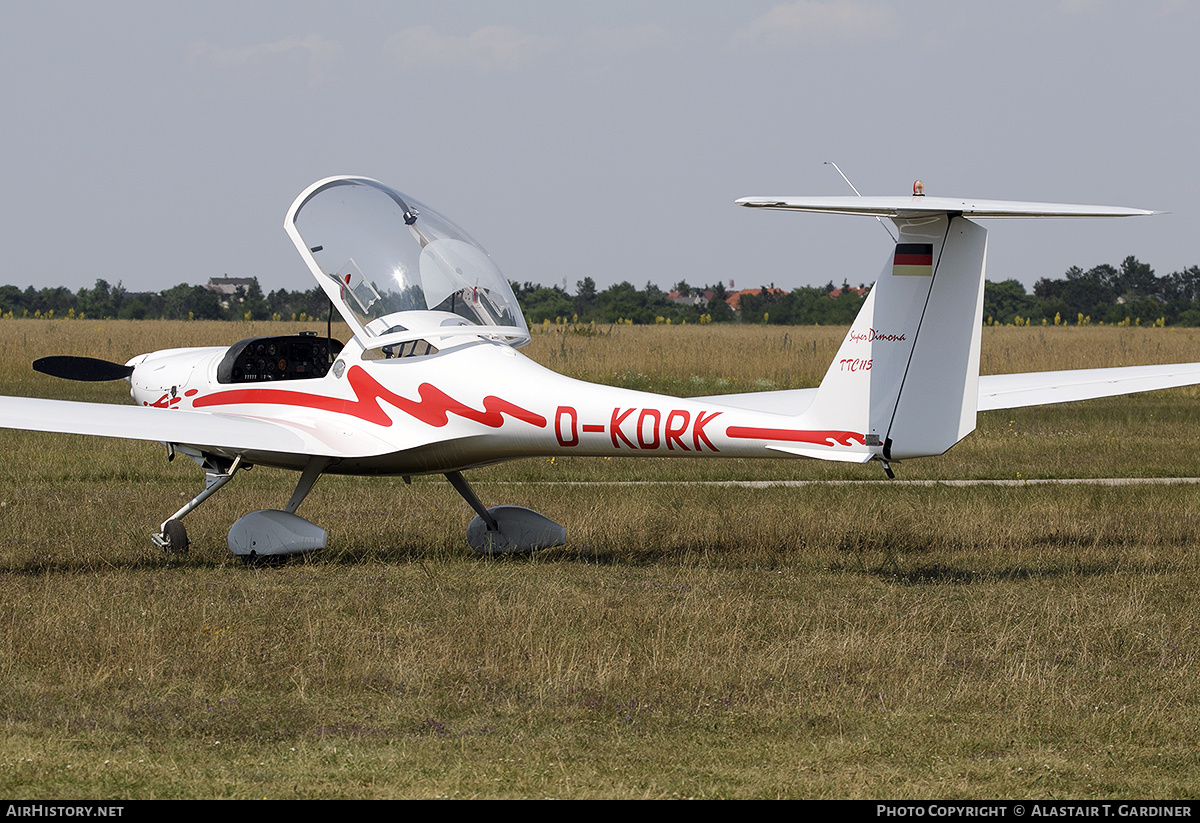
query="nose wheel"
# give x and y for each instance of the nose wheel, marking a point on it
(175, 539)
(217, 472)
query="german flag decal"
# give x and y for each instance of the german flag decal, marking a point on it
(913, 260)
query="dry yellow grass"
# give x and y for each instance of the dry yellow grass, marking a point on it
(754, 357)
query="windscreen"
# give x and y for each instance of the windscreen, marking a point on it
(377, 252)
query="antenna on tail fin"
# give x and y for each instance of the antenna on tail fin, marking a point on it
(858, 193)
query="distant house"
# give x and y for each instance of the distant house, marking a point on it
(228, 286)
(836, 293)
(734, 299)
(695, 298)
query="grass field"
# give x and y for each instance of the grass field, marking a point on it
(832, 640)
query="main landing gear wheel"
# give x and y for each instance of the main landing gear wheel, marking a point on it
(175, 537)
(506, 529)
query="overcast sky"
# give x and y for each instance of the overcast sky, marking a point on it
(160, 143)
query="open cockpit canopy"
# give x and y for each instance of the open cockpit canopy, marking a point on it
(387, 261)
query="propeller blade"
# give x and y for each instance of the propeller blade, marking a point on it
(81, 368)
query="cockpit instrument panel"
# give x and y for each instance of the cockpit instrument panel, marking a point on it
(289, 357)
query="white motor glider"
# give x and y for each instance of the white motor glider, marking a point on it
(431, 381)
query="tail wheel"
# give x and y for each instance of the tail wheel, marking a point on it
(176, 537)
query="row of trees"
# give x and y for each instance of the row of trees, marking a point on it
(625, 302)
(1105, 294)
(620, 303)
(182, 302)
(1110, 294)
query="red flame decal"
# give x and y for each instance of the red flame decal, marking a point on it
(433, 408)
(164, 402)
(820, 438)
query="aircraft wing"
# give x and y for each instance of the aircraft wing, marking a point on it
(1011, 391)
(234, 433)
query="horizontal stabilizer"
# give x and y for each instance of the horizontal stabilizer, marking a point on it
(826, 454)
(905, 207)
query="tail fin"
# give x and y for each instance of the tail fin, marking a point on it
(907, 373)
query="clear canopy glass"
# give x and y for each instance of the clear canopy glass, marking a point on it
(378, 253)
